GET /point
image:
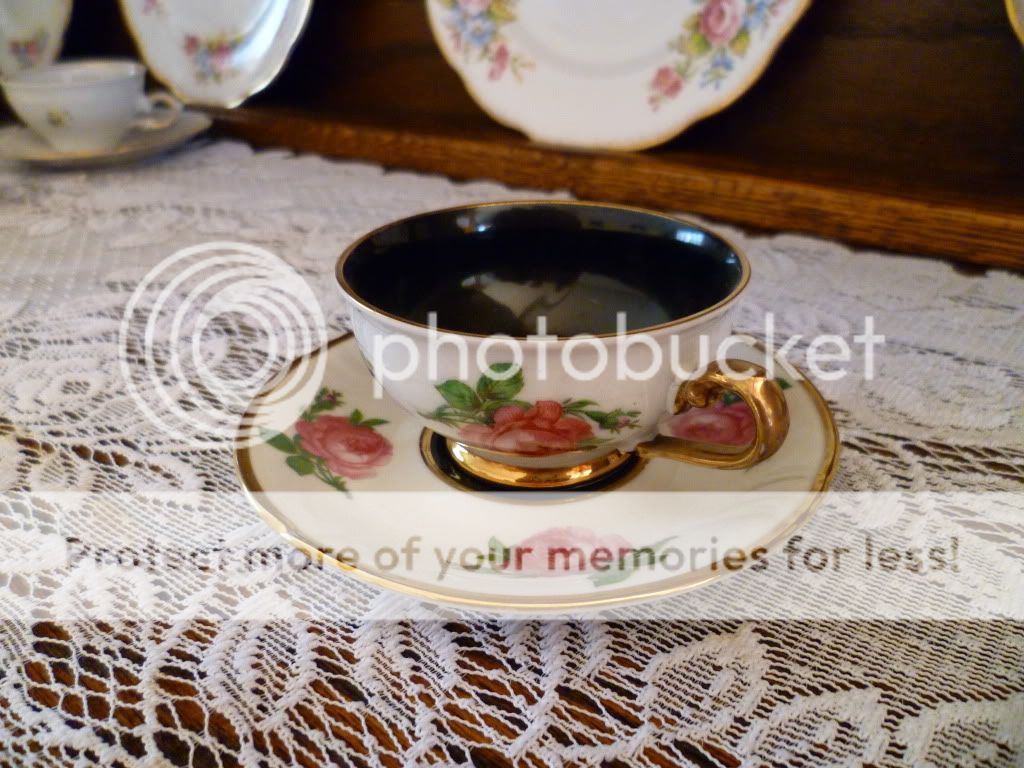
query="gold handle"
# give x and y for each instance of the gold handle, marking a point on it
(761, 394)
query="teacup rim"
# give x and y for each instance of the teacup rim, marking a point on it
(27, 78)
(741, 285)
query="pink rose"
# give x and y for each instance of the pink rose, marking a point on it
(719, 424)
(534, 431)
(191, 44)
(349, 450)
(474, 7)
(567, 550)
(721, 21)
(500, 63)
(667, 82)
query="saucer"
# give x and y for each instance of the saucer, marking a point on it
(215, 54)
(21, 144)
(607, 74)
(353, 480)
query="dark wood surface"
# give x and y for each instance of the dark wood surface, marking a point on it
(894, 125)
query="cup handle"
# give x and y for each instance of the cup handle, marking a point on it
(150, 120)
(761, 394)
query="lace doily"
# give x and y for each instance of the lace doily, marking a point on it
(319, 680)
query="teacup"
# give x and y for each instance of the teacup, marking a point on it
(87, 106)
(592, 296)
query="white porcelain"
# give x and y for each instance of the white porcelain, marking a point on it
(22, 145)
(215, 53)
(418, 371)
(87, 106)
(608, 73)
(31, 32)
(355, 489)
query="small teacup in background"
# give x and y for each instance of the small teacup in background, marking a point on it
(490, 273)
(88, 106)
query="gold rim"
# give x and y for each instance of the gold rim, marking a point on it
(1015, 21)
(624, 146)
(823, 480)
(351, 294)
(538, 478)
(161, 75)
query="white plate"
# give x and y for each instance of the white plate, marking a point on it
(31, 32)
(215, 53)
(609, 73)
(21, 144)
(373, 493)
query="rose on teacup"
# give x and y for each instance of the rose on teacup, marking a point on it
(541, 429)
(719, 424)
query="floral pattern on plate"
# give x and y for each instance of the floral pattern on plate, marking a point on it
(334, 448)
(475, 27)
(712, 39)
(566, 551)
(211, 57)
(490, 416)
(29, 51)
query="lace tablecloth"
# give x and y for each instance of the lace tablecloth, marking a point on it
(85, 679)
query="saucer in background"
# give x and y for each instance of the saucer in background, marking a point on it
(23, 145)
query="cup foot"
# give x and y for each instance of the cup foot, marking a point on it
(458, 465)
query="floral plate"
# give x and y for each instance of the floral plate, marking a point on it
(348, 479)
(607, 73)
(31, 32)
(215, 53)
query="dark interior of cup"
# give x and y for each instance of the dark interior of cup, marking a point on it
(501, 268)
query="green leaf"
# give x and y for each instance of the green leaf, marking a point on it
(492, 405)
(692, 24)
(281, 442)
(599, 416)
(497, 552)
(495, 389)
(356, 417)
(373, 423)
(572, 406)
(501, 11)
(458, 395)
(301, 464)
(783, 384)
(626, 565)
(697, 45)
(741, 42)
(613, 575)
